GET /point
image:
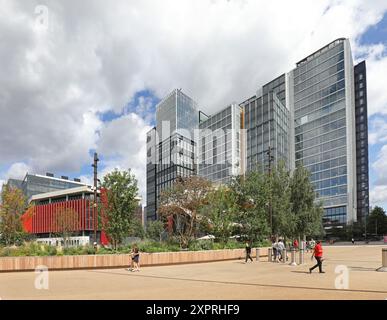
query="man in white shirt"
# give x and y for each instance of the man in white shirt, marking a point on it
(280, 249)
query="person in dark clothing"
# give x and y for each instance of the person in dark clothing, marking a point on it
(318, 255)
(248, 251)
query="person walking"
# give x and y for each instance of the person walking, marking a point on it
(353, 241)
(281, 249)
(136, 259)
(248, 251)
(275, 250)
(295, 244)
(318, 255)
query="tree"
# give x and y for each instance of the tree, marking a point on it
(154, 230)
(220, 213)
(252, 194)
(284, 219)
(119, 201)
(377, 221)
(65, 223)
(308, 213)
(13, 206)
(136, 229)
(182, 203)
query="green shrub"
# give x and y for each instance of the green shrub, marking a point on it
(51, 250)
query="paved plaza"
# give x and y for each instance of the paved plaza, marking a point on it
(218, 280)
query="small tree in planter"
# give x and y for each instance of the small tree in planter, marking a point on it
(155, 230)
(65, 223)
(181, 204)
(220, 214)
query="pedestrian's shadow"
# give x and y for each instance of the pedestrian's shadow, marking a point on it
(301, 272)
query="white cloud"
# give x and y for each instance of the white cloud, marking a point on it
(18, 170)
(377, 131)
(123, 146)
(380, 167)
(378, 195)
(376, 63)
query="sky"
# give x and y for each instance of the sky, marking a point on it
(84, 76)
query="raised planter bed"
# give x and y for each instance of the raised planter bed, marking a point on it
(9, 264)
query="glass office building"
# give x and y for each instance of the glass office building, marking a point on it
(219, 145)
(324, 127)
(362, 174)
(34, 184)
(266, 120)
(314, 115)
(171, 146)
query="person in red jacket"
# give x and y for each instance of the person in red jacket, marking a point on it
(295, 244)
(318, 255)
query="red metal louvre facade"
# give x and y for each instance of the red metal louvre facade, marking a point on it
(42, 219)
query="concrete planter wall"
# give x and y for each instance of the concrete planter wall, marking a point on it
(9, 264)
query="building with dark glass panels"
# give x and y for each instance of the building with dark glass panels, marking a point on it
(170, 146)
(362, 174)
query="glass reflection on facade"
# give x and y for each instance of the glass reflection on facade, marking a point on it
(170, 146)
(266, 120)
(219, 145)
(323, 115)
(34, 184)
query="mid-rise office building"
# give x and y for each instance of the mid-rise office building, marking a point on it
(219, 145)
(266, 120)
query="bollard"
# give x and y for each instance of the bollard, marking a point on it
(383, 268)
(257, 254)
(284, 256)
(269, 255)
(293, 262)
(302, 257)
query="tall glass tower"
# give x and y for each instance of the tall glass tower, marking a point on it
(170, 146)
(323, 105)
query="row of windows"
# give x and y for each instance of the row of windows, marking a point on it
(332, 182)
(216, 118)
(332, 87)
(332, 191)
(318, 78)
(300, 88)
(322, 148)
(320, 130)
(336, 200)
(318, 140)
(329, 173)
(311, 125)
(325, 156)
(342, 161)
(331, 103)
(318, 58)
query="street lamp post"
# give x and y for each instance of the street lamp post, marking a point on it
(95, 166)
